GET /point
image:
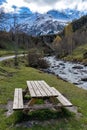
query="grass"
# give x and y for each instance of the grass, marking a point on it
(77, 54)
(10, 52)
(10, 78)
(5, 52)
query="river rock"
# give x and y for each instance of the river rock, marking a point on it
(77, 67)
(84, 79)
(76, 83)
(85, 71)
(62, 64)
(53, 67)
(85, 64)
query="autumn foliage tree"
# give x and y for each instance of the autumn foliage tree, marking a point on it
(56, 42)
(57, 45)
(68, 35)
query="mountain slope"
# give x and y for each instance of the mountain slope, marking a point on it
(73, 36)
(35, 24)
(77, 24)
(42, 25)
(50, 23)
(79, 54)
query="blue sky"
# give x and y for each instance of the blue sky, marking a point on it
(43, 6)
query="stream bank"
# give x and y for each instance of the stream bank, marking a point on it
(72, 72)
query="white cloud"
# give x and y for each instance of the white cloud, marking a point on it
(7, 7)
(42, 2)
(43, 6)
(58, 4)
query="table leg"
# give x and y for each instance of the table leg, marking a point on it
(31, 102)
(52, 99)
(25, 92)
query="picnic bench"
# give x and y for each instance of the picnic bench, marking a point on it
(38, 90)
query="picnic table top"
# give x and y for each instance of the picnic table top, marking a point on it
(40, 89)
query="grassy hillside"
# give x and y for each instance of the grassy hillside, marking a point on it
(78, 54)
(11, 78)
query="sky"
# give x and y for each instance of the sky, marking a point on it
(42, 6)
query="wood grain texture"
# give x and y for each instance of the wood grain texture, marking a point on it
(18, 99)
(64, 101)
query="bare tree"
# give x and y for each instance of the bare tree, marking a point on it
(2, 21)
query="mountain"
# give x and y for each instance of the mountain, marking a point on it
(58, 15)
(51, 22)
(80, 24)
(42, 24)
(67, 14)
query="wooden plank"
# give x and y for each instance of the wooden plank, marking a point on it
(31, 102)
(40, 88)
(64, 101)
(51, 91)
(18, 99)
(42, 106)
(31, 90)
(56, 91)
(35, 88)
(45, 89)
(15, 103)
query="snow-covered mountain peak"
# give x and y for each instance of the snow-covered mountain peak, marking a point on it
(41, 24)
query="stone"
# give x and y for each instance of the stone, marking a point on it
(77, 67)
(84, 79)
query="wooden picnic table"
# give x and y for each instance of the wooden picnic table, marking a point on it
(38, 90)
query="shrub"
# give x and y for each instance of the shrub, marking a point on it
(43, 64)
(85, 55)
(35, 59)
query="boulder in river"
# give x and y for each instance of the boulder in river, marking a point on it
(77, 67)
(85, 64)
(84, 79)
(62, 64)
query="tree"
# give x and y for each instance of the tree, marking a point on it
(17, 35)
(68, 34)
(2, 21)
(56, 42)
(57, 45)
(68, 30)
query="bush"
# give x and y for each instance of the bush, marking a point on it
(85, 55)
(43, 64)
(35, 59)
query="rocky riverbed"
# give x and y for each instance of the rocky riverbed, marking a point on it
(71, 72)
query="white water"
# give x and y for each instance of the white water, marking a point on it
(66, 71)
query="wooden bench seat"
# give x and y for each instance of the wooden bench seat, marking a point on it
(18, 99)
(64, 101)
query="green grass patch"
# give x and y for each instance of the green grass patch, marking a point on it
(8, 52)
(78, 54)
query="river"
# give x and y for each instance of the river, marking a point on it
(71, 72)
